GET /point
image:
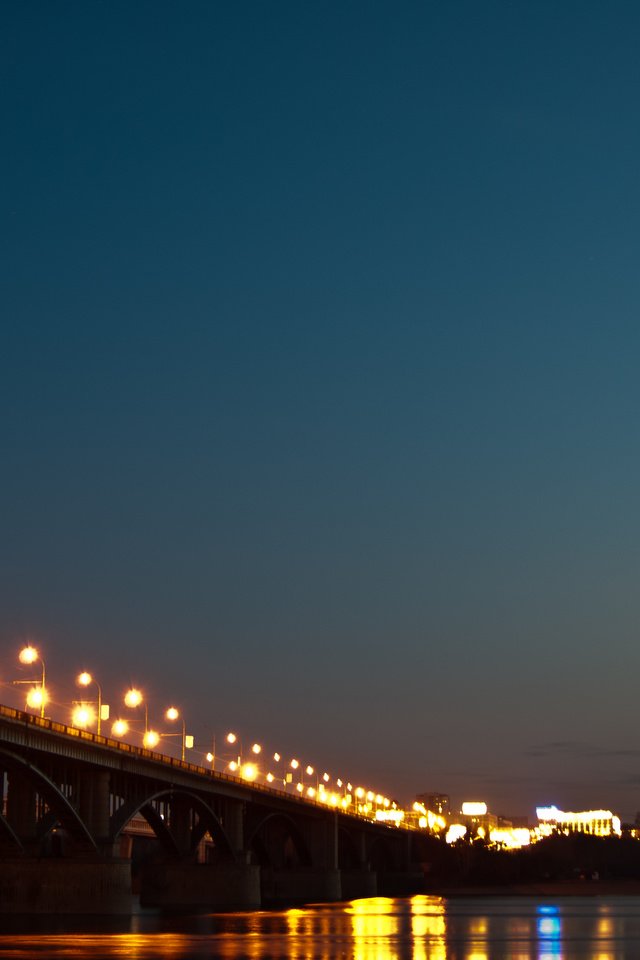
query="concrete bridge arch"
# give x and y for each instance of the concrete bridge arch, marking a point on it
(180, 836)
(277, 841)
(26, 783)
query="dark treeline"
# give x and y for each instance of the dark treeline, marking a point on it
(578, 857)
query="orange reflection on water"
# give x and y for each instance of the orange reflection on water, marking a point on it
(137, 946)
(374, 927)
(428, 927)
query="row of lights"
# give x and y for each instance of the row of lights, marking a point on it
(88, 713)
(365, 802)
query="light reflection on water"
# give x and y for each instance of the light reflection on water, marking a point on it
(419, 928)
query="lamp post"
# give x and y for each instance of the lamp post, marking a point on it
(295, 765)
(133, 698)
(233, 738)
(36, 698)
(186, 741)
(278, 759)
(85, 679)
(83, 715)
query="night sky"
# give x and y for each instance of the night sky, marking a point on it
(319, 380)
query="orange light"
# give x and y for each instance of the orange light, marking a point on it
(83, 716)
(28, 655)
(133, 698)
(151, 739)
(36, 698)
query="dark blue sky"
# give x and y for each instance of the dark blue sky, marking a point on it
(319, 379)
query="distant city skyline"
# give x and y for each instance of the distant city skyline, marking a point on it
(319, 380)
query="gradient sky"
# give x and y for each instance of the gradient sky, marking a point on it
(319, 380)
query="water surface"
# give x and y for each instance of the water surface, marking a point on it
(416, 928)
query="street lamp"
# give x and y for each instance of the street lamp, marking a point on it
(283, 777)
(133, 698)
(83, 715)
(36, 697)
(150, 739)
(85, 679)
(187, 741)
(233, 738)
(119, 728)
(249, 771)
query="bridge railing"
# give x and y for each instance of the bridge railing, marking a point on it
(45, 723)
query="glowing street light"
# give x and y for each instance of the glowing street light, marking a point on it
(120, 728)
(37, 696)
(150, 739)
(85, 679)
(186, 741)
(28, 655)
(83, 716)
(232, 738)
(36, 699)
(211, 756)
(133, 698)
(283, 777)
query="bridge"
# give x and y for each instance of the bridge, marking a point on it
(70, 837)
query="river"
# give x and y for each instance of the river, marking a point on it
(416, 928)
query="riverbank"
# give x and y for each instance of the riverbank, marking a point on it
(568, 888)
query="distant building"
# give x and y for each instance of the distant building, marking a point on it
(436, 802)
(600, 823)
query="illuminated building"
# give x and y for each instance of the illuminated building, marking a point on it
(598, 823)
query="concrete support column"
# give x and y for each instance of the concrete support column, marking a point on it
(21, 805)
(233, 824)
(93, 805)
(361, 847)
(180, 823)
(323, 842)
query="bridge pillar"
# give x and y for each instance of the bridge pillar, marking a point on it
(183, 885)
(93, 803)
(320, 882)
(180, 823)
(21, 805)
(358, 880)
(65, 885)
(323, 842)
(233, 824)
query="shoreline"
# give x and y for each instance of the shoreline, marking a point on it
(569, 888)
